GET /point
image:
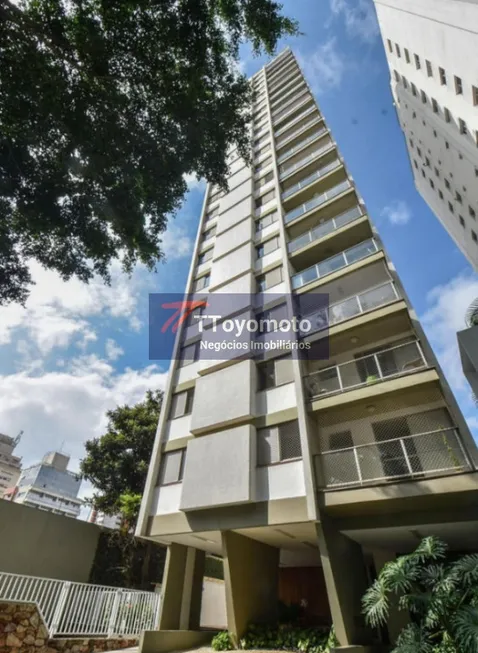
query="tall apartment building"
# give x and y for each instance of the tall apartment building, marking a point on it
(50, 486)
(10, 465)
(432, 51)
(305, 474)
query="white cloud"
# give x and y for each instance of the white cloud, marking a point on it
(359, 17)
(193, 182)
(397, 213)
(444, 317)
(176, 242)
(323, 68)
(69, 406)
(113, 350)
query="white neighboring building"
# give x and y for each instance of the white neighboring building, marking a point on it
(50, 486)
(432, 51)
(10, 465)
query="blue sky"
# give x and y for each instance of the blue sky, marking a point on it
(76, 351)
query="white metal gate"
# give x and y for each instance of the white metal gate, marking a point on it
(79, 609)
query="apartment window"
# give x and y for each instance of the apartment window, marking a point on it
(279, 443)
(419, 152)
(417, 61)
(410, 140)
(212, 214)
(423, 96)
(463, 127)
(215, 196)
(435, 132)
(458, 86)
(476, 172)
(181, 404)
(266, 221)
(171, 469)
(447, 184)
(205, 256)
(269, 279)
(274, 373)
(472, 212)
(263, 164)
(473, 236)
(427, 161)
(258, 142)
(407, 55)
(474, 92)
(423, 174)
(416, 164)
(447, 114)
(450, 207)
(268, 247)
(397, 50)
(397, 76)
(429, 68)
(201, 283)
(195, 314)
(442, 74)
(264, 199)
(447, 145)
(264, 180)
(431, 183)
(209, 233)
(414, 90)
(435, 110)
(405, 85)
(462, 222)
(414, 114)
(458, 197)
(263, 150)
(189, 354)
(440, 194)
(390, 45)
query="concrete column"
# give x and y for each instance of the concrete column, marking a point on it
(251, 574)
(182, 588)
(346, 580)
(397, 619)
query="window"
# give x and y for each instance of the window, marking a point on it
(435, 110)
(209, 233)
(264, 180)
(212, 214)
(427, 161)
(447, 114)
(473, 236)
(474, 92)
(215, 196)
(458, 86)
(458, 197)
(205, 256)
(396, 75)
(273, 373)
(276, 444)
(416, 164)
(447, 184)
(407, 56)
(263, 150)
(397, 50)
(266, 221)
(405, 84)
(201, 283)
(195, 314)
(476, 172)
(417, 61)
(171, 469)
(189, 354)
(266, 248)
(390, 45)
(440, 194)
(259, 141)
(181, 404)
(419, 152)
(435, 133)
(450, 207)
(410, 140)
(447, 145)
(463, 127)
(442, 75)
(269, 279)
(431, 183)
(263, 164)
(414, 89)
(423, 174)
(429, 68)
(264, 199)
(423, 96)
(472, 212)
(414, 114)
(462, 222)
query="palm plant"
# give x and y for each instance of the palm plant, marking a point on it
(441, 597)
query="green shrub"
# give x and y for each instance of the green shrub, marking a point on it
(222, 642)
(288, 638)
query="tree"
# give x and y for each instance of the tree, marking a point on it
(105, 105)
(117, 462)
(441, 596)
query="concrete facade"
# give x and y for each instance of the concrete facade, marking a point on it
(430, 47)
(319, 461)
(10, 465)
(468, 345)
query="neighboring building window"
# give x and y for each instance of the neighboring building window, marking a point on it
(440, 194)
(195, 314)
(397, 76)
(472, 212)
(171, 468)
(474, 90)
(205, 256)
(263, 150)
(424, 97)
(264, 199)
(263, 164)
(447, 184)
(450, 207)
(462, 221)
(447, 145)
(390, 45)
(264, 180)
(476, 172)
(432, 184)
(442, 74)
(258, 142)
(209, 233)
(447, 114)
(429, 68)
(427, 161)
(201, 283)
(397, 49)
(407, 56)
(435, 133)
(181, 404)
(435, 110)
(269, 279)
(266, 221)
(458, 86)
(417, 61)
(273, 373)
(423, 173)
(419, 152)
(189, 354)
(405, 84)
(279, 443)
(463, 127)
(458, 197)
(414, 89)
(410, 140)
(473, 236)
(267, 247)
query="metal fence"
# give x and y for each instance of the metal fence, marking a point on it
(79, 609)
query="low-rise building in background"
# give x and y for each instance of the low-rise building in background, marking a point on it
(10, 465)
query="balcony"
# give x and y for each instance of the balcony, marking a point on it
(302, 128)
(310, 179)
(317, 201)
(288, 97)
(288, 81)
(291, 109)
(334, 263)
(436, 452)
(287, 170)
(366, 370)
(288, 153)
(296, 120)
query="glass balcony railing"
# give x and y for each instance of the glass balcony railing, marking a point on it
(286, 171)
(365, 301)
(325, 229)
(366, 370)
(302, 144)
(334, 263)
(317, 201)
(321, 172)
(295, 133)
(433, 453)
(288, 96)
(283, 85)
(298, 118)
(291, 107)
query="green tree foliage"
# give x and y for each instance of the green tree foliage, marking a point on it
(441, 597)
(104, 106)
(117, 462)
